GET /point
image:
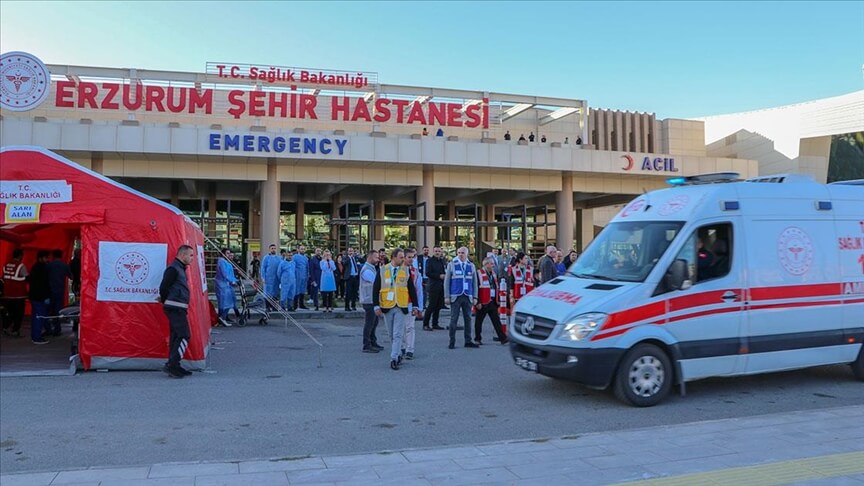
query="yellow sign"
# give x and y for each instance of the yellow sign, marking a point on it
(254, 245)
(22, 212)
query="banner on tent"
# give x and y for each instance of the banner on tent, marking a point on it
(35, 191)
(130, 272)
(22, 213)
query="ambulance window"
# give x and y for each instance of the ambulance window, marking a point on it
(710, 257)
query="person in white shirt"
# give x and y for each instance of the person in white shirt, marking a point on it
(417, 278)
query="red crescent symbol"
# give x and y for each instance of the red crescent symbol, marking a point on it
(629, 162)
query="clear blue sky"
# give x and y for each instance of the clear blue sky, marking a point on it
(677, 59)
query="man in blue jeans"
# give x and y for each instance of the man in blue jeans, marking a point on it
(40, 296)
(460, 280)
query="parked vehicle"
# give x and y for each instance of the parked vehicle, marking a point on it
(712, 277)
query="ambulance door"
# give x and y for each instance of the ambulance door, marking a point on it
(794, 306)
(708, 317)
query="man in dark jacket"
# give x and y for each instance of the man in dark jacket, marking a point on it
(40, 296)
(435, 269)
(351, 275)
(58, 272)
(547, 265)
(174, 296)
(315, 276)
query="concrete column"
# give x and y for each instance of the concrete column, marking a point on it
(637, 133)
(618, 123)
(585, 223)
(270, 199)
(426, 194)
(96, 162)
(379, 214)
(255, 219)
(335, 202)
(625, 132)
(600, 123)
(299, 219)
(564, 214)
(489, 214)
(652, 133)
(451, 215)
(644, 131)
(175, 193)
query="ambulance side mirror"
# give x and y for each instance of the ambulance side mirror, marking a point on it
(676, 276)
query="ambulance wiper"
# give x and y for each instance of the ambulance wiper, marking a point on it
(592, 275)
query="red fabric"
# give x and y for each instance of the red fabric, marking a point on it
(484, 290)
(103, 210)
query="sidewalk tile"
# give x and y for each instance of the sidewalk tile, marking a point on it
(629, 447)
(28, 479)
(334, 475)
(707, 438)
(197, 469)
(546, 481)
(472, 477)
(252, 479)
(187, 481)
(625, 460)
(520, 447)
(569, 454)
(694, 451)
(551, 468)
(688, 466)
(484, 462)
(97, 475)
(612, 476)
(364, 460)
(445, 453)
(830, 482)
(282, 465)
(85, 483)
(416, 470)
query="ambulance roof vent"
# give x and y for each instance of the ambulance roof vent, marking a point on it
(696, 180)
(784, 179)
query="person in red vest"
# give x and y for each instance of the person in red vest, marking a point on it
(487, 302)
(14, 293)
(521, 278)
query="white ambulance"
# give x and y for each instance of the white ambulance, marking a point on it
(711, 277)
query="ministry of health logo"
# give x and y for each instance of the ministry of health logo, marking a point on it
(795, 249)
(132, 268)
(24, 81)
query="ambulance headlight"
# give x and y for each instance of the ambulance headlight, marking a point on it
(582, 326)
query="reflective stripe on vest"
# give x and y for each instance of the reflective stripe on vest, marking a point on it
(397, 285)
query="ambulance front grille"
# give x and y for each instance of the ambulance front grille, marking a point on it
(542, 327)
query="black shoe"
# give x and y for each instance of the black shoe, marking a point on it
(478, 342)
(371, 350)
(399, 359)
(394, 365)
(452, 346)
(437, 327)
(495, 339)
(378, 348)
(347, 309)
(175, 373)
(305, 308)
(409, 355)
(505, 341)
(469, 344)
(184, 371)
(427, 328)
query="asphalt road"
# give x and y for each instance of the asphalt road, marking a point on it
(268, 398)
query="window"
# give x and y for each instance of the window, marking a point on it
(708, 253)
(626, 251)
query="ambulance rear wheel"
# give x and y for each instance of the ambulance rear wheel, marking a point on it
(644, 377)
(858, 365)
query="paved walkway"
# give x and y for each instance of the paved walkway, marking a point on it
(813, 447)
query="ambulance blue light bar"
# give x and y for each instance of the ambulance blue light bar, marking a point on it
(715, 178)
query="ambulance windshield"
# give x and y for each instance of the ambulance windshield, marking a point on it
(626, 251)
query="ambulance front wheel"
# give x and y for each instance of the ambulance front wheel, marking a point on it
(644, 377)
(858, 365)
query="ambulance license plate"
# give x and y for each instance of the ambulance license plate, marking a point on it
(526, 364)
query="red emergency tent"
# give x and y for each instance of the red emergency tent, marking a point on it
(127, 240)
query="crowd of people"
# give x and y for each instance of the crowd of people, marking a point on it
(45, 285)
(398, 287)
